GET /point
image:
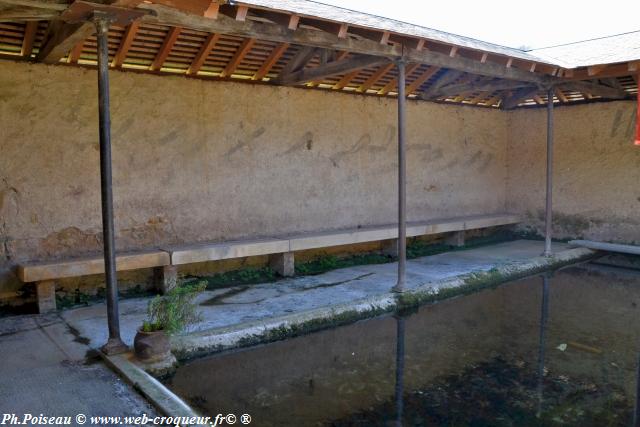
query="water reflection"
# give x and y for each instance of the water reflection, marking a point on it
(541, 351)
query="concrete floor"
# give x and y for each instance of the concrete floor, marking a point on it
(254, 303)
(47, 369)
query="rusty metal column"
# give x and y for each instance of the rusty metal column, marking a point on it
(114, 345)
(402, 179)
(548, 220)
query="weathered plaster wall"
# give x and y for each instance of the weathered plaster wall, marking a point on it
(198, 160)
(596, 172)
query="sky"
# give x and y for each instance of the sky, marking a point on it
(512, 23)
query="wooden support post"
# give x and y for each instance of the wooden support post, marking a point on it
(548, 220)
(46, 296)
(283, 264)
(455, 239)
(165, 278)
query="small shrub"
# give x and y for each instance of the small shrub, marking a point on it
(175, 311)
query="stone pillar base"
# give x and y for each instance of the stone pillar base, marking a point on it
(456, 239)
(283, 264)
(165, 278)
(390, 248)
(46, 295)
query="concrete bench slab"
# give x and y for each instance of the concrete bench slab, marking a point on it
(49, 270)
(227, 250)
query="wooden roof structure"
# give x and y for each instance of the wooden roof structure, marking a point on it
(303, 43)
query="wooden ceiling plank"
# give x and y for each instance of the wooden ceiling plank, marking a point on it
(273, 58)
(125, 44)
(371, 81)
(30, 29)
(165, 50)
(203, 54)
(242, 51)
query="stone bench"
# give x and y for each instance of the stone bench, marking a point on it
(44, 274)
(281, 250)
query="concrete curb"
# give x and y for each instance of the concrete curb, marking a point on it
(249, 333)
(153, 390)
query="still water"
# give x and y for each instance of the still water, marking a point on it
(536, 352)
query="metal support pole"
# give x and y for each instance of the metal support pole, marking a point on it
(114, 345)
(548, 208)
(544, 315)
(399, 391)
(402, 179)
(636, 408)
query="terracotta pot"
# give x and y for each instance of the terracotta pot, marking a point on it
(152, 346)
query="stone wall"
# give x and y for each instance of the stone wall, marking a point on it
(596, 171)
(198, 160)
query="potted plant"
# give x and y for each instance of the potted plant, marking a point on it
(166, 315)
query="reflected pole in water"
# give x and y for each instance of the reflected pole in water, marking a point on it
(399, 369)
(548, 204)
(402, 178)
(544, 314)
(636, 415)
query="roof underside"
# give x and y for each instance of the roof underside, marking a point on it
(452, 70)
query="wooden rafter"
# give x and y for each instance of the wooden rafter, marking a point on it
(298, 61)
(309, 37)
(377, 75)
(333, 68)
(203, 54)
(75, 53)
(125, 44)
(561, 96)
(165, 50)
(30, 29)
(421, 79)
(448, 78)
(481, 85)
(273, 58)
(393, 83)
(242, 51)
(345, 80)
(596, 89)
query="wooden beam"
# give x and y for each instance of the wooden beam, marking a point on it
(30, 29)
(299, 60)
(19, 13)
(393, 83)
(560, 95)
(444, 80)
(241, 13)
(342, 32)
(273, 58)
(350, 65)
(242, 51)
(595, 69)
(203, 54)
(518, 96)
(60, 38)
(75, 53)
(377, 75)
(316, 38)
(481, 86)
(165, 50)
(294, 21)
(345, 80)
(213, 10)
(125, 44)
(419, 81)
